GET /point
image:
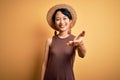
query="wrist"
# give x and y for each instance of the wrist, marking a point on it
(80, 45)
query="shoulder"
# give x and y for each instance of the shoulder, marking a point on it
(72, 36)
(49, 41)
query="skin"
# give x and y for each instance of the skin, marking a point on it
(62, 22)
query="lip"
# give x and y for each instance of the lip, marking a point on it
(62, 26)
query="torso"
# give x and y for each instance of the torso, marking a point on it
(60, 59)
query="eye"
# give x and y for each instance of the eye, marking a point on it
(64, 18)
(57, 19)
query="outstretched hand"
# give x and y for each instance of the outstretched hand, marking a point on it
(77, 40)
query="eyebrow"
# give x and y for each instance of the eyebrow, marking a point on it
(59, 17)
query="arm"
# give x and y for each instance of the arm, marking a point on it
(81, 49)
(48, 43)
(78, 43)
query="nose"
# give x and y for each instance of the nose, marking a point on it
(61, 21)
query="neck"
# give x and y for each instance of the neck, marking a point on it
(63, 34)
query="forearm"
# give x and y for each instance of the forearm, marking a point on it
(81, 50)
(43, 72)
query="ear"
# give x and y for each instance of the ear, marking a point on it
(70, 22)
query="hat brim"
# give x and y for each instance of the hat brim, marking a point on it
(53, 9)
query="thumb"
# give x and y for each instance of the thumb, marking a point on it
(82, 34)
(70, 43)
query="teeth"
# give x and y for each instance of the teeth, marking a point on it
(62, 26)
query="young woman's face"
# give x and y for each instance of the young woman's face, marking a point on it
(62, 22)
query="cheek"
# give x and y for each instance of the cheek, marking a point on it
(57, 23)
(68, 23)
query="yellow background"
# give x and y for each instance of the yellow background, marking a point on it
(24, 30)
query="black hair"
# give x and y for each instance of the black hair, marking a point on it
(64, 11)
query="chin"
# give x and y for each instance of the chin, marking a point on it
(62, 30)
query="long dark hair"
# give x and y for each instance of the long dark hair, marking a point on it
(65, 12)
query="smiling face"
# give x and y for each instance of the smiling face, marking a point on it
(62, 22)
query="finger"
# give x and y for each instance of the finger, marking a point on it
(79, 40)
(70, 43)
(83, 33)
(80, 35)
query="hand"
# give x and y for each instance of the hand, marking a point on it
(77, 40)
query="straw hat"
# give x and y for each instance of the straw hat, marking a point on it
(53, 9)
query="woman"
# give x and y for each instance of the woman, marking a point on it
(60, 49)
